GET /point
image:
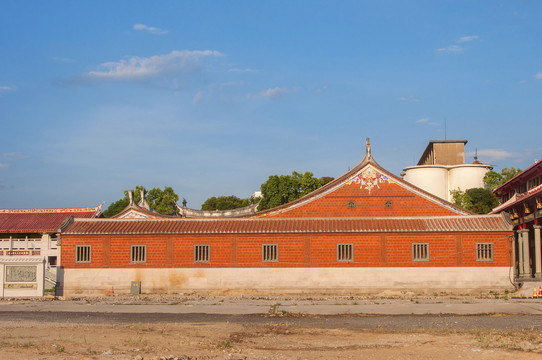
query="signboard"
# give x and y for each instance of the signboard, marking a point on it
(23, 274)
(21, 252)
(18, 252)
(20, 286)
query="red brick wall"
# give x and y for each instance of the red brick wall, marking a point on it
(295, 250)
(336, 204)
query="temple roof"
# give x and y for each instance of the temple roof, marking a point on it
(232, 213)
(517, 199)
(356, 175)
(140, 210)
(41, 220)
(522, 176)
(478, 223)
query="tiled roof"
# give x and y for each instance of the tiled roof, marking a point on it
(517, 199)
(331, 186)
(525, 174)
(40, 220)
(482, 223)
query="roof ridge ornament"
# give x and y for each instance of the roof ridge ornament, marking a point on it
(131, 197)
(143, 203)
(368, 148)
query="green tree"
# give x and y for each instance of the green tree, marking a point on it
(162, 201)
(224, 203)
(493, 179)
(281, 189)
(327, 179)
(119, 205)
(476, 200)
(116, 207)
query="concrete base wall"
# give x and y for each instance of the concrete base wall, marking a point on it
(285, 280)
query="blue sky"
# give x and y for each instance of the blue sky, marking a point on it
(212, 97)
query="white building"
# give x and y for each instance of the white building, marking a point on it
(29, 248)
(442, 169)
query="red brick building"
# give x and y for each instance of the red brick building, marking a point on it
(366, 231)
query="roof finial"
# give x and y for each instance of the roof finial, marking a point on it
(131, 196)
(476, 161)
(368, 147)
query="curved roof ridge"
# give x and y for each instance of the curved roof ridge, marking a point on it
(51, 210)
(367, 160)
(231, 213)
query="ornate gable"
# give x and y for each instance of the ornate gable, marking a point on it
(142, 210)
(368, 190)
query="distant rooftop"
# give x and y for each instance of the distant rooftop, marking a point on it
(444, 152)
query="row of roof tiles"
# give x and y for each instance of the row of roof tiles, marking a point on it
(40, 220)
(481, 223)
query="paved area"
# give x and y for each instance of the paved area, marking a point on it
(280, 306)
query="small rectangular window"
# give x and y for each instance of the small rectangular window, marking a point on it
(201, 253)
(270, 252)
(345, 252)
(138, 254)
(52, 261)
(83, 253)
(484, 252)
(420, 252)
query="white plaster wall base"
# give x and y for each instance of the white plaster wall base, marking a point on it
(287, 280)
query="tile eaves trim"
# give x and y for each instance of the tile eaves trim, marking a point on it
(481, 223)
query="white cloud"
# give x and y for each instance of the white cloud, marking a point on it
(151, 29)
(456, 49)
(321, 89)
(495, 155)
(538, 76)
(9, 157)
(6, 88)
(409, 99)
(451, 49)
(426, 122)
(242, 70)
(13, 156)
(144, 68)
(467, 38)
(270, 93)
(197, 98)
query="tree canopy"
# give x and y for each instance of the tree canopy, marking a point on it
(477, 200)
(281, 189)
(493, 179)
(163, 201)
(224, 203)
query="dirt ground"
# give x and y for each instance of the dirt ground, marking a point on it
(58, 340)
(146, 335)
